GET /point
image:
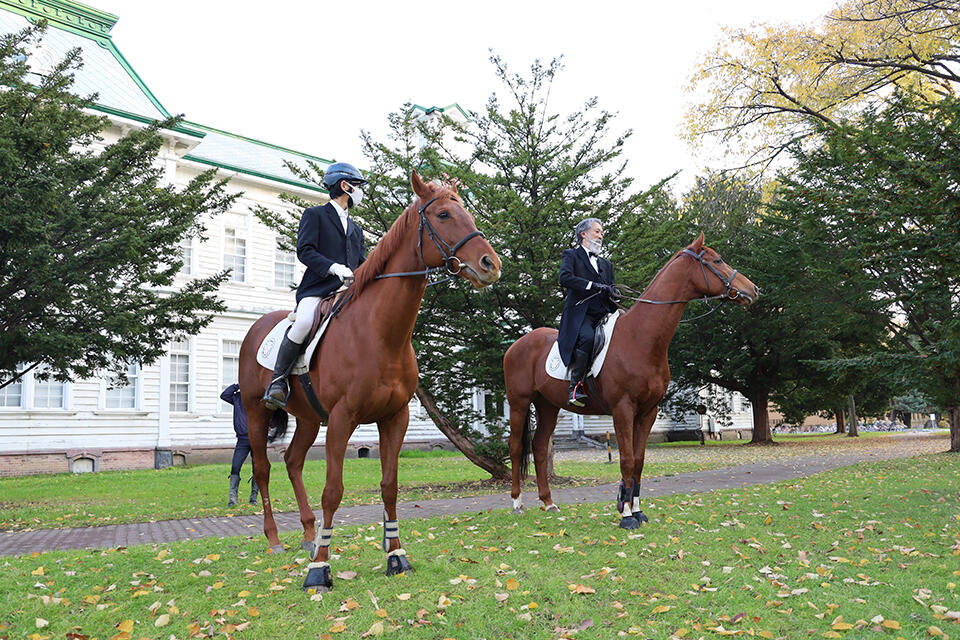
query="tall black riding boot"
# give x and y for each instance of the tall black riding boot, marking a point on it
(275, 397)
(234, 489)
(578, 371)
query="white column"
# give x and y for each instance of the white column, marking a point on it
(163, 411)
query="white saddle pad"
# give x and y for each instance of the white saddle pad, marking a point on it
(267, 353)
(554, 364)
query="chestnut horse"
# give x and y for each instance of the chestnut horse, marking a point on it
(365, 369)
(632, 381)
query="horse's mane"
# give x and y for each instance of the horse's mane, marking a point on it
(662, 269)
(389, 244)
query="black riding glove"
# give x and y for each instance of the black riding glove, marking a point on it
(610, 290)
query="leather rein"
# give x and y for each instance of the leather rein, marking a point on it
(731, 293)
(451, 263)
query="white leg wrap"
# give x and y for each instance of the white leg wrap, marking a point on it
(317, 565)
(518, 502)
(397, 552)
(627, 511)
(323, 537)
(636, 503)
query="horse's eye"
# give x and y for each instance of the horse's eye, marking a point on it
(718, 261)
(443, 215)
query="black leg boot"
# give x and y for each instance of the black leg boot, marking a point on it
(275, 397)
(254, 491)
(578, 371)
(234, 490)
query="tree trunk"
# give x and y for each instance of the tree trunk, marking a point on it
(494, 467)
(852, 429)
(841, 427)
(761, 418)
(954, 416)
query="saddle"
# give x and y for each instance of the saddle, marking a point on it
(601, 342)
(321, 313)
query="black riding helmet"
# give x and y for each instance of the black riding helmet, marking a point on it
(342, 171)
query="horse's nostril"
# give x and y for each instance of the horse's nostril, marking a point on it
(486, 262)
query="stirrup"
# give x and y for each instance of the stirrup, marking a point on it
(272, 402)
(577, 396)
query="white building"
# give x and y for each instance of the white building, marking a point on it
(170, 413)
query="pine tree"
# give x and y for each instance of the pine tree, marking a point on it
(89, 239)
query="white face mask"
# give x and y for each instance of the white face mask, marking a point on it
(593, 246)
(356, 196)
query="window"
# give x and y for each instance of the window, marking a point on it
(284, 268)
(186, 254)
(12, 394)
(180, 376)
(234, 255)
(736, 402)
(125, 396)
(231, 361)
(48, 394)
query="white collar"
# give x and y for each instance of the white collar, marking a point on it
(340, 210)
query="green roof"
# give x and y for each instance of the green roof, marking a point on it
(453, 107)
(121, 92)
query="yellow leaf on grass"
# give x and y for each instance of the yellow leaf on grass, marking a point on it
(512, 585)
(580, 588)
(381, 613)
(38, 571)
(890, 624)
(162, 620)
(832, 634)
(403, 596)
(213, 557)
(123, 635)
(163, 554)
(662, 608)
(126, 626)
(338, 628)
(763, 633)
(842, 626)
(375, 630)
(253, 612)
(679, 633)
(935, 631)
(243, 594)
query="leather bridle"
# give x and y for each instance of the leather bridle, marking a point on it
(451, 262)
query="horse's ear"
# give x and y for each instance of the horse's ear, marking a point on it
(419, 186)
(698, 243)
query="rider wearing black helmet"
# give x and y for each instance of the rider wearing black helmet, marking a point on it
(331, 245)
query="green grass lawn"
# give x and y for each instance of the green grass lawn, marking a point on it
(871, 551)
(67, 500)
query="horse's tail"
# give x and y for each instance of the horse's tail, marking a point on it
(526, 444)
(279, 422)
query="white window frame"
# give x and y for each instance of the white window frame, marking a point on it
(28, 399)
(239, 234)
(191, 370)
(23, 396)
(189, 266)
(293, 278)
(138, 393)
(223, 407)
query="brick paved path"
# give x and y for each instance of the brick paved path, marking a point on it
(16, 543)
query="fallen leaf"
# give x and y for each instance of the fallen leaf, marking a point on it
(890, 624)
(41, 623)
(512, 585)
(403, 596)
(661, 608)
(162, 620)
(347, 575)
(126, 626)
(338, 628)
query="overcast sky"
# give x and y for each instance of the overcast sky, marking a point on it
(268, 70)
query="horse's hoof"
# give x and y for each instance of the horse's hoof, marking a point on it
(318, 578)
(552, 507)
(640, 517)
(519, 511)
(397, 565)
(277, 548)
(309, 546)
(629, 523)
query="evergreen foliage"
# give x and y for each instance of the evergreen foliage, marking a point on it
(89, 233)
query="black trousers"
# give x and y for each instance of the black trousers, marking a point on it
(587, 332)
(240, 453)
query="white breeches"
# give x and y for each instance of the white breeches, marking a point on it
(301, 326)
